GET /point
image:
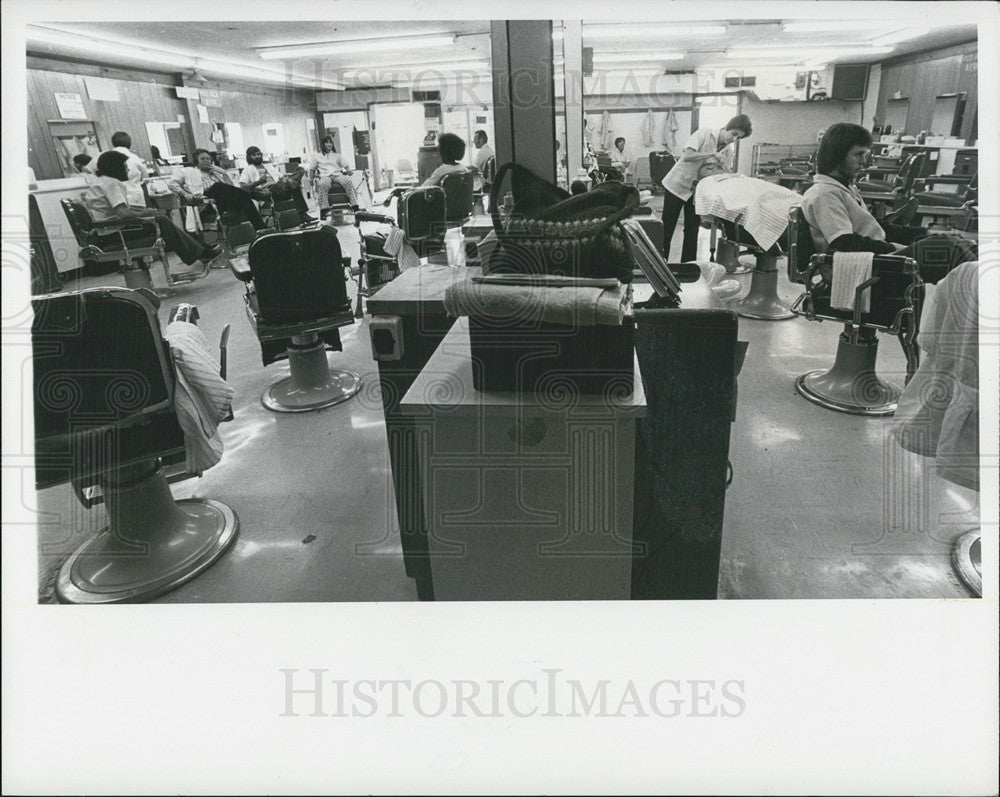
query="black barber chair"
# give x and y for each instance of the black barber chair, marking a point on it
(894, 292)
(296, 300)
(131, 243)
(105, 422)
(458, 198)
(421, 214)
(761, 302)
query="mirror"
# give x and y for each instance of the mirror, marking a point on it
(168, 138)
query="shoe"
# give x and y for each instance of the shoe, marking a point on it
(209, 253)
(355, 208)
(307, 219)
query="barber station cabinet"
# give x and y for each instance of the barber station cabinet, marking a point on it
(506, 496)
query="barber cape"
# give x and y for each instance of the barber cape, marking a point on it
(202, 398)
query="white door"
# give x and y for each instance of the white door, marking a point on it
(398, 134)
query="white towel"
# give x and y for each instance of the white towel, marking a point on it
(850, 269)
(569, 305)
(202, 398)
(394, 241)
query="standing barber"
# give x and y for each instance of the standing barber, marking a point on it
(706, 151)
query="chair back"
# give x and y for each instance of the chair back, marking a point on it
(421, 212)
(287, 219)
(604, 161)
(458, 190)
(403, 165)
(99, 362)
(912, 169)
(800, 246)
(299, 276)
(80, 220)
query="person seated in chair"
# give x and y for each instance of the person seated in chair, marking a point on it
(328, 167)
(208, 180)
(840, 222)
(137, 170)
(483, 153)
(84, 165)
(107, 200)
(452, 150)
(261, 185)
(621, 159)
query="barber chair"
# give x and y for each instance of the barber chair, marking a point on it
(879, 193)
(296, 300)
(105, 423)
(660, 163)
(338, 204)
(761, 302)
(131, 243)
(641, 176)
(606, 170)
(458, 191)
(949, 197)
(894, 292)
(725, 251)
(420, 214)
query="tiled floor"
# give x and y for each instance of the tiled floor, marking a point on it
(821, 506)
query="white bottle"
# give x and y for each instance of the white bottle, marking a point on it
(454, 246)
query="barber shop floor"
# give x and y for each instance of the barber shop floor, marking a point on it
(822, 504)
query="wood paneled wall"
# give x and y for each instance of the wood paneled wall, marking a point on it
(922, 77)
(150, 97)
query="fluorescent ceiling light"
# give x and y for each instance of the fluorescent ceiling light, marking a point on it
(165, 58)
(108, 47)
(638, 57)
(444, 66)
(901, 35)
(636, 30)
(833, 25)
(800, 51)
(389, 43)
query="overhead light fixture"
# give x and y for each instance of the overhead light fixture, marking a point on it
(835, 25)
(646, 31)
(646, 57)
(800, 51)
(901, 35)
(92, 44)
(447, 66)
(164, 58)
(387, 43)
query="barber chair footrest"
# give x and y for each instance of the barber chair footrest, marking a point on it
(151, 545)
(851, 386)
(312, 384)
(762, 302)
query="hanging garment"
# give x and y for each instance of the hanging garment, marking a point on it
(648, 129)
(606, 132)
(670, 127)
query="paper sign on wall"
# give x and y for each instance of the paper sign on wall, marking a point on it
(100, 88)
(186, 92)
(70, 106)
(203, 115)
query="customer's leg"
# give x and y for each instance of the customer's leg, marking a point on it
(347, 185)
(187, 248)
(323, 191)
(671, 212)
(692, 223)
(235, 200)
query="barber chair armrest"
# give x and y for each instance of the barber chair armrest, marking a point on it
(926, 183)
(378, 218)
(240, 266)
(267, 331)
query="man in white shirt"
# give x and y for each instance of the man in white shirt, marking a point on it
(258, 181)
(483, 153)
(137, 170)
(328, 167)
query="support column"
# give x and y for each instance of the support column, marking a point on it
(524, 95)
(573, 71)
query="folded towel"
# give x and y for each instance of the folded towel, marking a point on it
(850, 269)
(407, 258)
(575, 306)
(394, 241)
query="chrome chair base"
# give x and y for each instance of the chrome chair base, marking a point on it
(312, 383)
(851, 386)
(762, 302)
(152, 544)
(967, 559)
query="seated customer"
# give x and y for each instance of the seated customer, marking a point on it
(328, 167)
(84, 164)
(259, 182)
(452, 150)
(206, 179)
(840, 222)
(107, 199)
(621, 158)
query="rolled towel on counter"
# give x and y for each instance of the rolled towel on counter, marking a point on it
(850, 269)
(573, 306)
(546, 281)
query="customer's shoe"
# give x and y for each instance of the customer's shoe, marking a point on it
(209, 253)
(307, 219)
